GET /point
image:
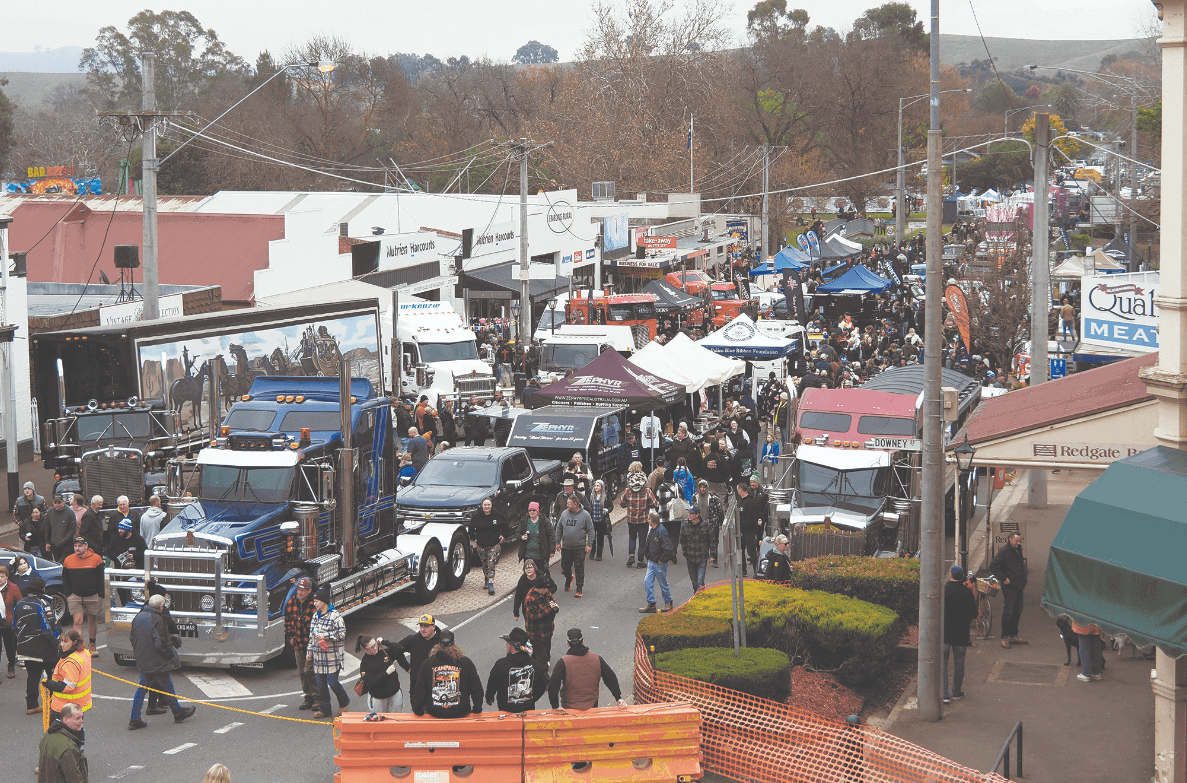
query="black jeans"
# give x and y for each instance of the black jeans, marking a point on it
(9, 637)
(1012, 611)
(673, 527)
(541, 649)
(34, 668)
(573, 564)
(600, 531)
(636, 532)
(750, 550)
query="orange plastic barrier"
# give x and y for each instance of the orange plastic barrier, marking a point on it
(748, 738)
(486, 747)
(650, 742)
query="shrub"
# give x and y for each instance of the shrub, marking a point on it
(682, 630)
(853, 638)
(892, 582)
(757, 671)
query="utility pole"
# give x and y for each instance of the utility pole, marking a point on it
(766, 186)
(148, 104)
(1133, 173)
(1040, 293)
(931, 543)
(8, 372)
(525, 296)
(900, 219)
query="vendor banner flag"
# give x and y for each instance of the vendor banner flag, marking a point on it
(959, 306)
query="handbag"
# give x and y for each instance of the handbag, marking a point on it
(358, 687)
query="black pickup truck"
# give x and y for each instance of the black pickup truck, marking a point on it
(452, 486)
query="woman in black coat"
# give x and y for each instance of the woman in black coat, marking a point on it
(448, 423)
(381, 681)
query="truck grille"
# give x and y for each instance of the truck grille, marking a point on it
(184, 600)
(111, 477)
(476, 386)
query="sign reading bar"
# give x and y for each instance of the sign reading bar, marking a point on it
(897, 444)
(658, 243)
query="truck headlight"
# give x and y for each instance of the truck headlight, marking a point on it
(207, 603)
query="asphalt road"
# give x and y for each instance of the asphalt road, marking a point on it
(258, 747)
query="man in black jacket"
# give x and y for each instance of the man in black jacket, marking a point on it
(156, 656)
(61, 526)
(1009, 566)
(516, 680)
(751, 521)
(417, 647)
(448, 685)
(960, 609)
(37, 633)
(775, 565)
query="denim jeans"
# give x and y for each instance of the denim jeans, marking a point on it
(696, 574)
(657, 571)
(957, 668)
(1091, 654)
(160, 681)
(326, 683)
(394, 703)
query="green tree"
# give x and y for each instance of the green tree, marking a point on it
(1150, 121)
(535, 52)
(1066, 100)
(996, 97)
(770, 20)
(189, 60)
(7, 129)
(1003, 167)
(892, 20)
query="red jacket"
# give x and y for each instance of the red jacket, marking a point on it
(11, 594)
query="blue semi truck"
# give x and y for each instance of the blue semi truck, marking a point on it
(301, 481)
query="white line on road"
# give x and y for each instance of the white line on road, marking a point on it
(350, 665)
(125, 773)
(228, 727)
(504, 600)
(273, 709)
(180, 748)
(217, 684)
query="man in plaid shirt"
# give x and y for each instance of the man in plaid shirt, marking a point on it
(327, 653)
(696, 538)
(298, 612)
(713, 515)
(636, 498)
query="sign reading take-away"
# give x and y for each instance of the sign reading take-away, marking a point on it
(658, 243)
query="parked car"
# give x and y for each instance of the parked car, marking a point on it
(49, 572)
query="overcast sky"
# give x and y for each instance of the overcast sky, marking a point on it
(497, 28)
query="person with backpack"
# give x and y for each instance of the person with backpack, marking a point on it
(37, 634)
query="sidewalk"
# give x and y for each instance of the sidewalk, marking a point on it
(1083, 731)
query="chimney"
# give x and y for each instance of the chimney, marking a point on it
(343, 229)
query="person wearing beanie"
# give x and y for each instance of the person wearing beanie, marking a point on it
(448, 685)
(32, 533)
(37, 634)
(960, 609)
(516, 680)
(537, 538)
(576, 679)
(126, 548)
(327, 652)
(298, 614)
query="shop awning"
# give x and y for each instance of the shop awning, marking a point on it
(502, 277)
(1088, 419)
(1117, 560)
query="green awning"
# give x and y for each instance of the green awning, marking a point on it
(1120, 558)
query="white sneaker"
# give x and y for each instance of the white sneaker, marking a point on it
(1083, 678)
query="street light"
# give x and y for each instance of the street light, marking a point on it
(964, 461)
(900, 220)
(1006, 119)
(324, 66)
(1132, 85)
(552, 314)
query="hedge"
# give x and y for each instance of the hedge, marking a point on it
(892, 582)
(757, 671)
(852, 638)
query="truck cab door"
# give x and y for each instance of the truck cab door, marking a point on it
(409, 358)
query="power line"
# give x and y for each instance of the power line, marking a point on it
(992, 64)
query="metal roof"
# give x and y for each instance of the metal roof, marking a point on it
(909, 380)
(49, 299)
(1075, 396)
(503, 276)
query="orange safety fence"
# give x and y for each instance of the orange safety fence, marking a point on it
(608, 744)
(748, 738)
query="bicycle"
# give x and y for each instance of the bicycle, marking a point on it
(984, 589)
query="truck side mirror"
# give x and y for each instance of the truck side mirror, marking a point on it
(327, 489)
(405, 481)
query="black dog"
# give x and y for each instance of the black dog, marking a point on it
(1071, 640)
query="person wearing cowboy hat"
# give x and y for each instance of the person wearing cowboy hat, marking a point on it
(561, 502)
(516, 680)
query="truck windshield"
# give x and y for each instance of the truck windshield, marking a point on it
(254, 485)
(828, 422)
(448, 352)
(459, 473)
(135, 426)
(247, 419)
(886, 425)
(855, 490)
(721, 296)
(567, 356)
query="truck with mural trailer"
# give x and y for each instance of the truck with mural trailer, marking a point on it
(116, 403)
(301, 481)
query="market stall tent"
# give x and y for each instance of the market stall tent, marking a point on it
(684, 361)
(741, 339)
(858, 280)
(611, 380)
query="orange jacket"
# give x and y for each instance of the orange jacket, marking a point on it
(75, 667)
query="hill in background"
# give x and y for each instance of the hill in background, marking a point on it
(64, 59)
(1010, 54)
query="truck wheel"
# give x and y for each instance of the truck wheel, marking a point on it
(124, 660)
(457, 563)
(428, 582)
(57, 603)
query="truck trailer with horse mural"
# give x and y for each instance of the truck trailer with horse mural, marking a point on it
(117, 402)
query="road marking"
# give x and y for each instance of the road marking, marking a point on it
(217, 684)
(125, 773)
(410, 623)
(350, 665)
(503, 600)
(273, 709)
(180, 748)
(228, 727)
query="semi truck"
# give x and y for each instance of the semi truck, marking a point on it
(117, 402)
(300, 481)
(438, 354)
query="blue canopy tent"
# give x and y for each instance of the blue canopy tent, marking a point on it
(833, 270)
(857, 280)
(764, 269)
(792, 258)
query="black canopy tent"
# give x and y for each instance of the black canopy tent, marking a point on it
(611, 380)
(671, 299)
